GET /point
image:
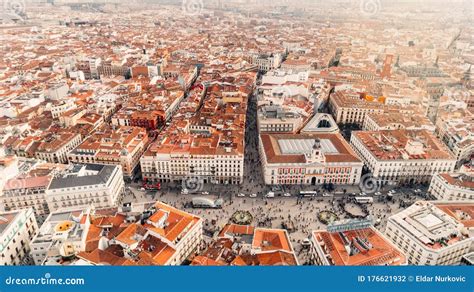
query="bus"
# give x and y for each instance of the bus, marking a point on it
(206, 203)
(151, 186)
(364, 200)
(308, 193)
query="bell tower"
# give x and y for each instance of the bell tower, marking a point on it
(317, 154)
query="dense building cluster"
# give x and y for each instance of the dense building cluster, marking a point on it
(97, 106)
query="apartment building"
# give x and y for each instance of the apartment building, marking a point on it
(163, 236)
(120, 145)
(265, 62)
(207, 161)
(63, 233)
(95, 185)
(204, 142)
(402, 156)
(348, 107)
(54, 147)
(433, 233)
(243, 245)
(392, 120)
(276, 119)
(21, 193)
(17, 229)
(455, 186)
(455, 129)
(354, 243)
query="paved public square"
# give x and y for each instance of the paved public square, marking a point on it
(273, 212)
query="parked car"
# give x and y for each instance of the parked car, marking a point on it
(286, 195)
(253, 195)
(241, 195)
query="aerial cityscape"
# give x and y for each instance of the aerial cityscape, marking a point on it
(236, 133)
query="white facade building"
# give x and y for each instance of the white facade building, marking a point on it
(401, 156)
(56, 148)
(393, 120)
(63, 234)
(452, 187)
(24, 193)
(62, 106)
(266, 62)
(308, 159)
(215, 169)
(278, 120)
(17, 229)
(91, 184)
(433, 234)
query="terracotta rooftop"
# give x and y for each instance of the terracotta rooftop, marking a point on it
(271, 240)
(380, 251)
(403, 145)
(461, 211)
(343, 152)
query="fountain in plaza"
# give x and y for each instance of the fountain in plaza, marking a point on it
(327, 217)
(242, 217)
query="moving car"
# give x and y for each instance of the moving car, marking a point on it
(241, 195)
(253, 195)
(286, 195)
